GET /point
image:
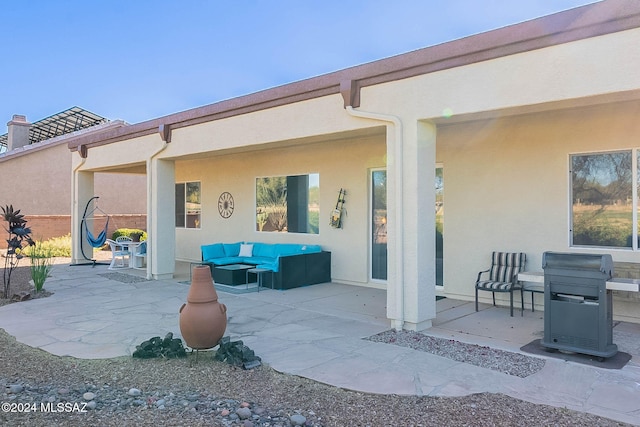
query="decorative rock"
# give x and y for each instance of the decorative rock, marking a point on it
(236, 353)
(134, 392)
(243, 413)
(15, 388)
(21, 296)
(203, 405)
(168, 347)
(298, 420)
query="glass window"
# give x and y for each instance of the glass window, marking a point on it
(288, 204)
(439, 226)
(379, 225)
(602, 199)
(188, 205)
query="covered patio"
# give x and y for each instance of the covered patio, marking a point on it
(319, 332)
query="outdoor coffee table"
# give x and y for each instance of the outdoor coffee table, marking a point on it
(234, 274)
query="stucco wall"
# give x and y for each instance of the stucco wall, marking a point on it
(569, 71)
(38, 182)
(506, 186)
(341, 164)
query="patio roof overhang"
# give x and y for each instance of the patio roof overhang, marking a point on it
(592, 20)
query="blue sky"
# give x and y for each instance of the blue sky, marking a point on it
(140, 59)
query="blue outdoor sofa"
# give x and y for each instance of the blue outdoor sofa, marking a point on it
(293, 265)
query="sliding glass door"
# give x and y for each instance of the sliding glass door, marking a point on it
(378, 224)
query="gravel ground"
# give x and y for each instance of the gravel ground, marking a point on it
(49, 390)
(516, 364)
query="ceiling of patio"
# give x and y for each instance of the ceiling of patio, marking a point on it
(610, 98)
(316, 139)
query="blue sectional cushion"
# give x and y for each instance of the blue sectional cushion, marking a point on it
(231, 249)
(212, 251)
(273, 266)
(265, 250)
(264, 255)
(311, 249)
(226, 260)
(285, 249)
(258, 260)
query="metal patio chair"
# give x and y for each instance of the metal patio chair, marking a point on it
(503, 275)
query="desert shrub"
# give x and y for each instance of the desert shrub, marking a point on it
(56, 246)
(40, 255)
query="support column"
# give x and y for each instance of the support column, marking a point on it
(161, 218)
(82, 191)
(414, 282)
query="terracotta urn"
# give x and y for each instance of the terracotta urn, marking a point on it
(203, 319)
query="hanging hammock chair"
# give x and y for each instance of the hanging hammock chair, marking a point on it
(99, 240)
(94, 241)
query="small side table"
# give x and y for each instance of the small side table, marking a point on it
(535, 285)
(259, 272)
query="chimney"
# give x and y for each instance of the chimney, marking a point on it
(18, 132)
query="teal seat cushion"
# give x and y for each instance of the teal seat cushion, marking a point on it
(258, 260)
(226, 260)
(212, 251)
(273, 266)
(265, 250)
(231, 249)
(311, 249)
(285, 249)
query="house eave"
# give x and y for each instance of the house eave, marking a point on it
(588, 21)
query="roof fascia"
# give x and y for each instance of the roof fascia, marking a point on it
(596, 19)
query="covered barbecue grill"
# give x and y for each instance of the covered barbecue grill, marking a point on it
(578, 314)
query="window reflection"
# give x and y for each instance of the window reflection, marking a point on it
(601, 187)
(288, 204)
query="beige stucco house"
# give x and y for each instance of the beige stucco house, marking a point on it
(35, 164)
(504, 115)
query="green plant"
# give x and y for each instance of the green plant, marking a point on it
(58, 246)
(261, 218)
(19, 235)
(314, 222)
(40, 255)
(129, 232)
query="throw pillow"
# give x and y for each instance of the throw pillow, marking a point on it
(246, 250)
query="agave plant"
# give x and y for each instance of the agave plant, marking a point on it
(19, 236)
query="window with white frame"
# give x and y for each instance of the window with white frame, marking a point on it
(188, 205)
(604, 206)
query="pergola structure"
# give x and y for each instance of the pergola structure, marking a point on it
(67, 121)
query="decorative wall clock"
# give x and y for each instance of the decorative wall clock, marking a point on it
(225, 205)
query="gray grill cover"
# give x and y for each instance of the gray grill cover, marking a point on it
(602, 263)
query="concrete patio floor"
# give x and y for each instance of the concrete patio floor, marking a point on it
(316, 332)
